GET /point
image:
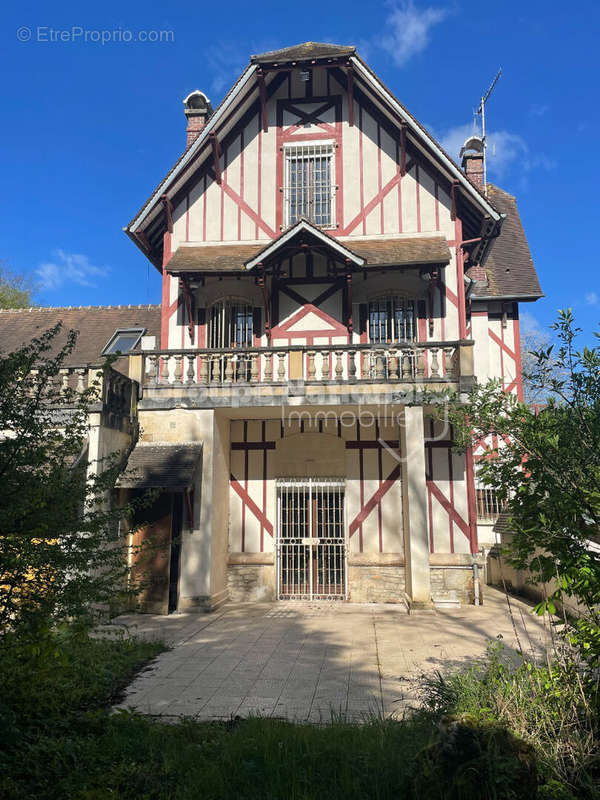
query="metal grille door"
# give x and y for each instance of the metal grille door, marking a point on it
(311, 541)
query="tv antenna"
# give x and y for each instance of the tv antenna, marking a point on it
(481, 112)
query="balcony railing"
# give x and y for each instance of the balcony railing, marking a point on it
(114, 393)
(392, 363)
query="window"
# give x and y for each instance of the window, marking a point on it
(308, 190)
(488, 504)
(123, 340)
(392, 319)
(230, 324)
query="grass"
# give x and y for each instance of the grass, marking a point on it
(59, 740)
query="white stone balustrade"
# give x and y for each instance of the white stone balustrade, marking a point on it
(387, 363)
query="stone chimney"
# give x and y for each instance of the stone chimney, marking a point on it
(198, 109)
(472, 160)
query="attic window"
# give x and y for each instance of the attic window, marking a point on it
(309, 181)
(123, 340)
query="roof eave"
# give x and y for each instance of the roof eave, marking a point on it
(529, 296)
(192, 151)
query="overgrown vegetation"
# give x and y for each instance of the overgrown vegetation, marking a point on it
(546, 468)
(60, 740)
(553, 720)
(61, 554)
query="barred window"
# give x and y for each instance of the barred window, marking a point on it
(488, 503)
(308, 190)
(230, 324)
(392, 319)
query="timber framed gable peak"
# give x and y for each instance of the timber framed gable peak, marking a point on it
(309, 96)
(304, 230)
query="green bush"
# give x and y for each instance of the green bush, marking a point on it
(546, 706)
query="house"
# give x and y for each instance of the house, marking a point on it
(328, 271)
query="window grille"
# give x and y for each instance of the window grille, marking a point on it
(308, 189)
(311, 543)
(391, 320)
(230, 325)
(488, 504)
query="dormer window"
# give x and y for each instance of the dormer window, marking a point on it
(123, 341)
(309, 183)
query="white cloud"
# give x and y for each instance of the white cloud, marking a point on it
(529, 323)
(67, 268)
(591, 298)
(505, 150)
(407, 30)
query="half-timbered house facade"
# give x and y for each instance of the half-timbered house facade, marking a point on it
(327, 273)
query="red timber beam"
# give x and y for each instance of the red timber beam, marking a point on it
(403, 149)
(349, 304)
(216, 154)
(188, 303)
(263, 287)
(262, 88)
(168, 209)
(350, 83)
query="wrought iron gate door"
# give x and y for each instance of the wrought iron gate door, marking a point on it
(311, 541)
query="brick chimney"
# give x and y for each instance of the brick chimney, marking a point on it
(198, 109)
(472, 164)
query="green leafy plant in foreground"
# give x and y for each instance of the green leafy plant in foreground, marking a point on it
(546, 468)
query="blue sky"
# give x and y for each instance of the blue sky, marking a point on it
(89, 129)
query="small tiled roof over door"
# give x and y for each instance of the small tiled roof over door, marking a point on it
(158, 465)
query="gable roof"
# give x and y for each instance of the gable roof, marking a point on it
(221, 119)
(298, 229)
(304, 52)
(95, 324)
(509, 266)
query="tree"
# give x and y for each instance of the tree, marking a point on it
(547, 470)
(15, 290)
(60, 549)
(534, 339)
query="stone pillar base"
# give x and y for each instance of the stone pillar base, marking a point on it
(203, 603)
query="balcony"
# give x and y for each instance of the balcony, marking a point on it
(324, 374)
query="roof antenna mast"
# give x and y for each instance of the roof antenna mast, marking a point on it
(481, 112)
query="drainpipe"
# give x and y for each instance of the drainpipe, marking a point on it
(476, 583)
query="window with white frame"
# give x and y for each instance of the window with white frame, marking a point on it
(309, 183)
(392, 319)
(123, 341)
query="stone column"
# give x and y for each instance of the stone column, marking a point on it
(414, 493)
(203, 568)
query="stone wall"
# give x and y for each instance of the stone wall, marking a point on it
(376, 584)
(251, 583)
(453, 584)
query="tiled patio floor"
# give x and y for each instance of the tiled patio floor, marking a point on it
(305, 661)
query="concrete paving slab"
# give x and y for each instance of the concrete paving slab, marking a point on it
(300, 661)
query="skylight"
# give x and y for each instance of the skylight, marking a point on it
(123, 341)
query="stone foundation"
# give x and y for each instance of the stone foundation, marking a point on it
(453, 584)
(251, 582)
(376, 584)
